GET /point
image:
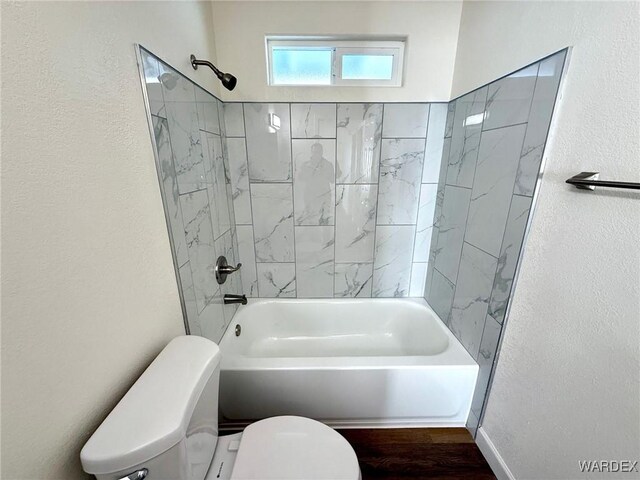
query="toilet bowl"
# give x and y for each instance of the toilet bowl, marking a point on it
(166, 428)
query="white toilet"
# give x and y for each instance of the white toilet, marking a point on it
(166, 427)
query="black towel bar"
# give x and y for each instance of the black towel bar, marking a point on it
(589, 181)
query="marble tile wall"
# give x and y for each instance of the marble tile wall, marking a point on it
(334, 200)
(491, 158)
(355, 200)
(193, 160)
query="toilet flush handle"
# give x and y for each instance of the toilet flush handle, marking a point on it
(138, 475)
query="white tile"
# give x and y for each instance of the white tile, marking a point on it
(313, 120)
(355, 223)
(509, 98)
(277, 280)
(435, 141)
(465, 138)
(424, 227)
(509, 254)
(451, 227)
(437, 214)
(472, 424)
(239, 172)
(222, 126)
(189, 298)
(392, 264)
(418, 277)
(405, 120)
(486, 356)
(233, 285)
(154, 87)
(233, 120)
(268, 148)
(538, 123)
(440, 295)
(273, 222)
(477, 270)
(175, 87)
(451, 110)
(359, 132)
(399, 187)
(314, 181)
(495, 176)
(314, 262)
(216, 178)
(207, 104)
(353, 280)
(247, 256)
(170, 189)
(182, 118)
(212, 321)
(200, 245)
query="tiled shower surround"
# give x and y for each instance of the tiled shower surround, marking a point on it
(196, 192)
(494, 140)
(355, 200)
(334, 200)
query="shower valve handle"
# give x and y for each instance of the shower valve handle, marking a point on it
(223, 269)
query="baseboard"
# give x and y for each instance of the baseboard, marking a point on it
(235, 426)
(493, 458)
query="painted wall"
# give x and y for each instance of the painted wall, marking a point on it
(89, 294)
(566, 384)
(337, 201)
(431, 27)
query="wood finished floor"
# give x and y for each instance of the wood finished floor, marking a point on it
(415, 453)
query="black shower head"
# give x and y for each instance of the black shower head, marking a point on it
(228, 81)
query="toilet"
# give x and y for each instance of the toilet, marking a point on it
(166, 428)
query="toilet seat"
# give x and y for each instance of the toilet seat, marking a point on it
(288, 448)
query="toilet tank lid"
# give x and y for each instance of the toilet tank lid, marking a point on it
(154, 414)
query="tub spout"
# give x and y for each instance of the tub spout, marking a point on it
(229, 298)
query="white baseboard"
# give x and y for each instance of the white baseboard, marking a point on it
(493, 458)
(225, 425)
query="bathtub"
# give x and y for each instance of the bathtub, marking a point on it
(345, 362)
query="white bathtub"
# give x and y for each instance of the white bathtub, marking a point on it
(348, 363)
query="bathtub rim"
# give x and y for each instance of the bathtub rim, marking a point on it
(454, 356)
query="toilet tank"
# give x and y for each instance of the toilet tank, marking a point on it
(167, 423)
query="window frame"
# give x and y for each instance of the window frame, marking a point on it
(339, 48)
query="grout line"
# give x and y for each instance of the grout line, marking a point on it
(424, 159)
(375, 226)
(483, 251)
(274, 263)
(522, 196)
(396, 225)
(335, 201)
(504, 126)
(405, 138)
(358, 184)
(458, 186)
(293, 205)
(253, 228)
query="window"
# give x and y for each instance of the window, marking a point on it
(313, 61)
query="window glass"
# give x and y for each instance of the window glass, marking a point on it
(367, 67)
(301, 67)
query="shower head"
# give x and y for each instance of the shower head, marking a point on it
(228, 81)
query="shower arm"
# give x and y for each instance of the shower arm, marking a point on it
(195, 62)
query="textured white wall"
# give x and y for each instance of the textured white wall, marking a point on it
(431, 27)
(566, 386)
(89, 295)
